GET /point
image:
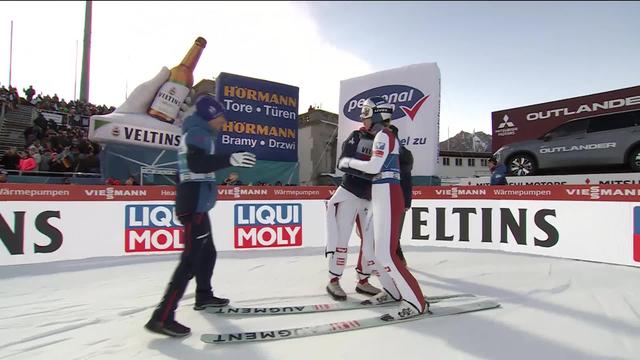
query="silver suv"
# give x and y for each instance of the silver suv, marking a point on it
(612, 139)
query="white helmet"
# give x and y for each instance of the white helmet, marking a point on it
(377, 109)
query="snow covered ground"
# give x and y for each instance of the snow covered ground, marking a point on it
(552, 309)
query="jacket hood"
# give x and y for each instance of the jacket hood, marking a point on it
(195, 121)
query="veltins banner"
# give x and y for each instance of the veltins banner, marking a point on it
(415, 92)
(262, 117)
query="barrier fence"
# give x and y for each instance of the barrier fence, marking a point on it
(42, 223)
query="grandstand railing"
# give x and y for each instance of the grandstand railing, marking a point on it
(62, 118)
(51, 177)
(58, 173)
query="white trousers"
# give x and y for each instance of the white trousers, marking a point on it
(387, 206)
(343, 210)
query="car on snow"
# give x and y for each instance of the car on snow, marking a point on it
(612, 139)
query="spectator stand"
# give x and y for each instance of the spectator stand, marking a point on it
(53, 133)
(12, 126)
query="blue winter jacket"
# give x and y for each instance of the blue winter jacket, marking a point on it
(197, 163)
(499, 175)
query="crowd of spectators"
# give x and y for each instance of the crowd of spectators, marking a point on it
(10, 96)
(131, 181)
(51, 103)
(49, 146)
(53, 148)
(233, 179)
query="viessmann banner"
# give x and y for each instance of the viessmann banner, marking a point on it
(533, 121)
(262, 117)
(415, 92)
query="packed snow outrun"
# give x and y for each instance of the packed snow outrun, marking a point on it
(96, 309)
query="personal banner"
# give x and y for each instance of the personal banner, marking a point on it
(414, 90)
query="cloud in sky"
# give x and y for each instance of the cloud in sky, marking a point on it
(131, 41)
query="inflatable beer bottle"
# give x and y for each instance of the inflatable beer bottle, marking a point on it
(166, 104)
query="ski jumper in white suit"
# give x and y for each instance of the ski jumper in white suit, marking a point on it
(387, 205)
(351, 203)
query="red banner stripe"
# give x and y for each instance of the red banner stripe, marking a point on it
(48, 192)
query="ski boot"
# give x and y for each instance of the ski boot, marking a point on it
(382, 298)
(169, 327)
(365, 288)
(335, 290)
(405, 311)
(208, 300)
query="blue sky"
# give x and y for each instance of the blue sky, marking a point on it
(492, 55)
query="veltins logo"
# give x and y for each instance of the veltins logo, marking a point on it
(407, 100)
(636, 233)
(267, 225)
(152, 228)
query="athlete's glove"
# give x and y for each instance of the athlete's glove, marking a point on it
(344, 163)
(243, 159)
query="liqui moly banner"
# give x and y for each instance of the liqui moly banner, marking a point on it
(152, 228)
(263, 225)
(415, 92)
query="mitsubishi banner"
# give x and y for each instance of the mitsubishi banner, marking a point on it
(414, 90)
(533, 121)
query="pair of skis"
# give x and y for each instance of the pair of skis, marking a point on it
(342, 326)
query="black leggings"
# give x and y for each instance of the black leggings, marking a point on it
(198, 259)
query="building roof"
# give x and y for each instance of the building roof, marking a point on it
(317, 116)
(465, 154)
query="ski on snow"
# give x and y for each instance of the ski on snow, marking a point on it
(318, 308)
(343, 326)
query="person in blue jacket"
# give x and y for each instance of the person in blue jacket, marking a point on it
(498, 172)
(196, 195)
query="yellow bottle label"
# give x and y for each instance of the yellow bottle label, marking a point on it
(169, 98)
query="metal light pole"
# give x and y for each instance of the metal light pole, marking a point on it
(86, 54)
(11, 53)
(75, 75)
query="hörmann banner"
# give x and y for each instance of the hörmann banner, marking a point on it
(415, 92)
(262, 117)
(533, 121)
